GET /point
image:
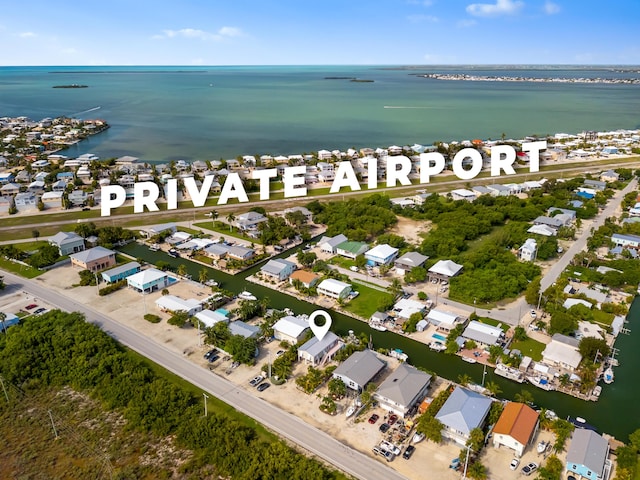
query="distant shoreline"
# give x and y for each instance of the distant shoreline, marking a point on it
(73, 85)
(491, 78)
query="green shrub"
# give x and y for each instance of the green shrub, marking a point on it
(150, 317)
(112, 287)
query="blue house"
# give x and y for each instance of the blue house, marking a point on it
(463, 411)
(121, 272)
(587, 455)
(9, 321)
(381, 255)
(278, 269)
(6, 177)
(147, 281)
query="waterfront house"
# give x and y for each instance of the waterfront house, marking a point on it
(217, 250)
(409, 260)
(318, 352)
(516, 428)
(278, 269)
(149, 280)
(121, 272)
(209, 318)
(351, 249)
(238, 252)
(307, 279)
(463, 411)
(381, 255)
(444, 270)
(67, 242)
(330, 244)
(588, 455)
(94, 259)
(562, 351)
(595, 295)
(291, 329)
(359, 369)
(404, 308)
(171, 303)
(244, 329)
(528, 251)
(403, 390)
(334, 288)
(444, 321)
(249, 220)
(483, 334)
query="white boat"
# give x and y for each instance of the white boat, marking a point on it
(551, 415)
(378, 326)
(173, 253)
(469, 360)
(597, 390)
(437, 346)
(247, 296)
(541, 382)
(399, 354)
(211, 283)
(542, 446)
(608, 376)
(350, 411)
(154, 248)
(509, 372)
(417, 438)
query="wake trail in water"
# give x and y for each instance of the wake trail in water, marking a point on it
(86, 111)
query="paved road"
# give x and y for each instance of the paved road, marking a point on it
(554, 272)
(285, 424)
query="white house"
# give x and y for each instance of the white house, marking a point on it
(171, 303)
(403, 389)
(318, 352)
(528, 251)
(444, 270)
(209, 318)
(381, 255)
(563, 352)
(516, 428)
(334, 288)
(359, 369)
(443, 320)
(330, 244)
(291, 329)
(483, 334)
(463, 194)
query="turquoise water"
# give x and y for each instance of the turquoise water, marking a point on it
(164, 113)
(437, 336)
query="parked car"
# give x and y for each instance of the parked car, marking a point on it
(39, 311)
(389, 447)
(529, 468)
(533, 314)
(211, 352)
(263, 386)
(384, 427)
(213, 358)
(389, 456)
(31, 306)
(373, 418)
(392, 419)
(408, 452)
(377, 451)
(256, 380)
(279, 352)
(353, 268)
(514, 464)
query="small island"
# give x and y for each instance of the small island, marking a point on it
(72, 85)
(361, 80)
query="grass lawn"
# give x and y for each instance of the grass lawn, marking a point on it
(225, 232)
(603, 318)
(366, 303)
(30, 246)
(495, 323)
(341, 261)
(190, 231)
(530, 348)
(27, 272)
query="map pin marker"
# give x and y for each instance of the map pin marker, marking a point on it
(320, 330)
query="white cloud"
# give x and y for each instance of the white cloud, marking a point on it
(466, 23)
(551, 8)
(27, 35)
(221, 34)
(501, 7)
(422, 18)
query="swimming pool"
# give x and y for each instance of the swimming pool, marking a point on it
(437, 336)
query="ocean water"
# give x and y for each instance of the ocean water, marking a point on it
(165, 113)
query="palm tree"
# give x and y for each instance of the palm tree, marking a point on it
(493, 388)
(395, 287)
(464, 379)
(524, 396)
(203, 275)
(230, 218)
(3, 316)
(182, 270)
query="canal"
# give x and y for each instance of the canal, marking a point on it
(608, 414)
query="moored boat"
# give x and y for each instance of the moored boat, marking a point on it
(378, 326)
(154, 248)
(608, 376)
(417, 438)
(469, 360)
(541, 382)
(509, 372)
(350, 411)
(245, 295)
(437, 346)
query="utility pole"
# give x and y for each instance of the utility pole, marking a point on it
(205, 403)
(6, 395)
(466, 463)
(539, 300)
(269, 364)
(55, 432)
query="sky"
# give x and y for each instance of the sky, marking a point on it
(319, 32)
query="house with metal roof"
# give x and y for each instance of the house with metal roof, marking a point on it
(381, 255)
(94, 259)
(480, 190)
(240, 253)
(622, 240)
(291, 329)
(67, 242)
(249, 220)
(403, 390)
(149, 280)
(463, 194)
(463, 411)
(408, 261)
(444, 270)
(543, 230)
(516, 428)
(359, 369)
(164, 228)
(443, 320)
(330, 244)
(595, 295)
(562, 351)
(334, 288)
(588, 455)
(244, 329)
(551, 222)
(483, 334)
(317, 352)
(278, 269)
(528, 251)
(120, 272)
(352, 249)
(595, 184)
(171, 303)
(217, 250)
(209, 318)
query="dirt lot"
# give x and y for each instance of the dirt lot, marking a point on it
(411, 230)
(429, 460)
